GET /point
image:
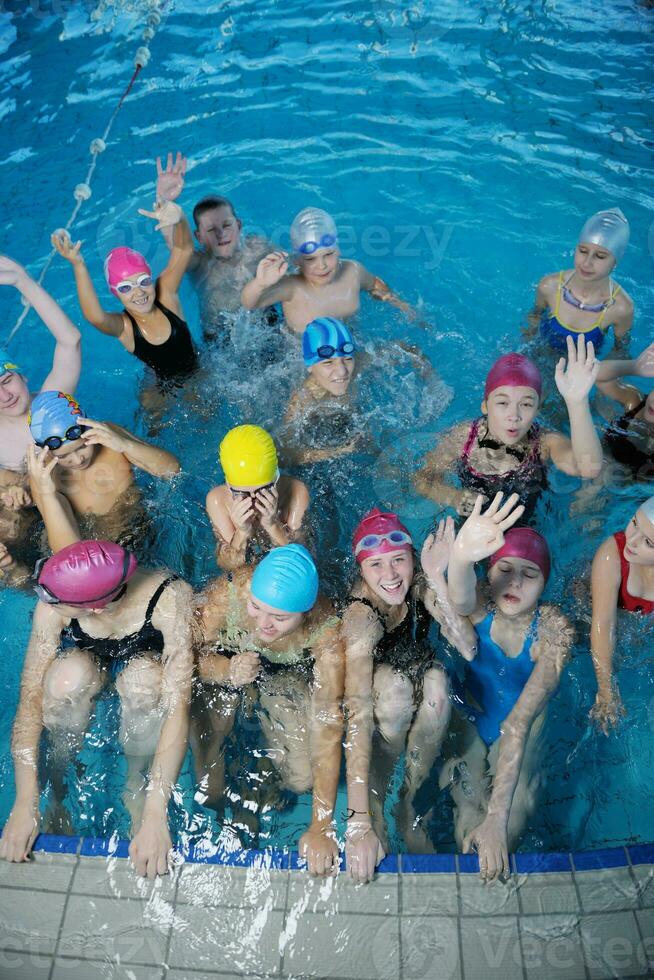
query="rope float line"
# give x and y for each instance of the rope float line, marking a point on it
(82, 191)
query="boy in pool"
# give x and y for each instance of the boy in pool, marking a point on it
(84, 471)
(505, 450)
(585, 300)
(17, 514)
(324, 286)
(269, 626)
(255, 507)
(226, 259)
(100, 618)
(510, 675)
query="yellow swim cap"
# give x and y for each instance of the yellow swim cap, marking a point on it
(248, 457)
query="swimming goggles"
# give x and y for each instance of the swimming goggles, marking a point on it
(71, 435)
(372, 541)
(45, 595)
(125, 286)
(308, 248)
(326, 350)
(242, 494)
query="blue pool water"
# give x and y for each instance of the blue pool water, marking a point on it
(459, 154)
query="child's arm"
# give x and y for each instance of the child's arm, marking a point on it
(67, 360)
(145, 456)
(55, 509)
(489, 839)
(232, 528)
(429, 480)
(378, 289)
(581, 454)
(435, 556)
(622, 317)
(605, 585)
(270, 285)
(170, 184)
(169, 215)
(541, 302)
(111, 324)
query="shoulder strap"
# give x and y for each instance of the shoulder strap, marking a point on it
(472, 435)
(559, 290)
(155, 598)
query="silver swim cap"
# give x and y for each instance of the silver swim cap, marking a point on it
(647, 508)
(312, 229)
(609, 229)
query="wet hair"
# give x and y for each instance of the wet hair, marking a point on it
(208, 204)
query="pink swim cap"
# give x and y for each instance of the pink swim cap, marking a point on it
(378, 533)
(514, 371)
(124, 262)
(522, 542)
(86, 573)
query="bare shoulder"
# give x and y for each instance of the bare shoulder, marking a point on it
(607, 552)
(215, 500)
(549, 284)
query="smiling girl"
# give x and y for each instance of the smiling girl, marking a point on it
(584, 299)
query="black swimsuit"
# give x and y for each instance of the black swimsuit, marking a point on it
(107, 649)
(624, 451)
(173, 360)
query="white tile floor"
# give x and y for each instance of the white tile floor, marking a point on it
(64, 917)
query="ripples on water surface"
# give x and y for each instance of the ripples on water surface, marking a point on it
(459, 156)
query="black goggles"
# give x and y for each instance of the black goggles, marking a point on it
(71, 435)
(326, 350)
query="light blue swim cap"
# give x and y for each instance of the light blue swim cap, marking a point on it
(286, 579)
(53, 413)
(326, 337)
(6, 363)
(609, 229)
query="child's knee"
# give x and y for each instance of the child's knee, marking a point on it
(69, 687)
(435, 695)
(393, 702)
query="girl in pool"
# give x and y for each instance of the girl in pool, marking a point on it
(522, 647)
(622, 578)
(585, 300)
(506, 449)
(325, 284)
(255, 507)
(270, 626)
(395, 689)
(152, 324)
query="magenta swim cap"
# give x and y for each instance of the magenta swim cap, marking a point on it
(522, 542)
(86, 573)
(513, 371)
(124, 262)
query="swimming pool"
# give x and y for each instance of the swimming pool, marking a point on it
(458, 158)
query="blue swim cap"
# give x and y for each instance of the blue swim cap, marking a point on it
(326, 337)
(53, 414)
(286, 579)
(6, 363)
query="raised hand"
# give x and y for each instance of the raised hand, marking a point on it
(61, 241)
(40, 464)
(435, 555)
(11, 272)
(272, 268)
(576, 378)
(102, 434)
(170, 182)
(242, 513)
(267, 503)
(483, 534)
(165, 213)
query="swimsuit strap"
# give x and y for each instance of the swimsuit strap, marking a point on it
(559, 291)
(613, 291)
(470, 441)
(155, 599)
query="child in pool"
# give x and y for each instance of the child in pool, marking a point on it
(100, 618)
(324, 286)
(255, 507)
(522, 648)
(585, 300)
(630, 437)
(152, 325)
(622, 578)
(396, 691)
(227, 259)
(505, 449)
(84, 471)
(269, 627)
(17, 515)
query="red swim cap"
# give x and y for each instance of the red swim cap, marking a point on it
(522, 542)
(86, 573)
(123, 262)
(385, 531)
(514, 371)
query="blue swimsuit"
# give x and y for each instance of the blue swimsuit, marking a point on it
(495, 681)
(556, 332)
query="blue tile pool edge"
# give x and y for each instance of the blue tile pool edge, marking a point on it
(284, 860)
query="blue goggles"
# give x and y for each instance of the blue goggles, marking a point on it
(308, 248)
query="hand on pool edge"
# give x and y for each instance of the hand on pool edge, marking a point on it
(318, 847)
(363, 851)
(490, 843)
(20, 832)
(149, 850)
